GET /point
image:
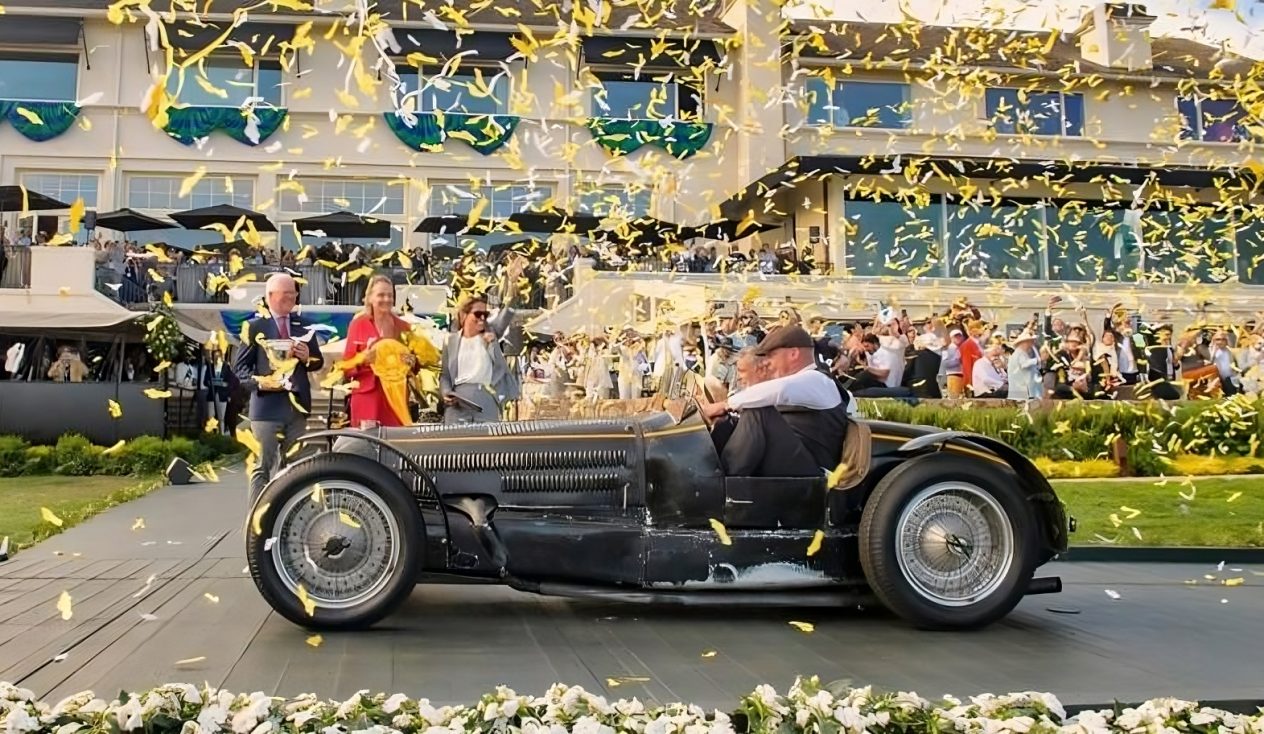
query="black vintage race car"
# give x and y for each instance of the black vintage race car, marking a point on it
(945, 529)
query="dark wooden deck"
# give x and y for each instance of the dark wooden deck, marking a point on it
(1162, 636)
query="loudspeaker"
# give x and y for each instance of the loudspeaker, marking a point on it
(90, 220)
(179, 471)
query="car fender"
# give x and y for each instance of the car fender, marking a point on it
(1052, 512)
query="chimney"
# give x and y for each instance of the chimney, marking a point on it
(1116, 35)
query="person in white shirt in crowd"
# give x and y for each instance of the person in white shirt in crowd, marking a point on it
(989, 379)
(633, 364)
(1222, 357)
(1024, 369)
(886, 346)
(597, 382)
(799, 384)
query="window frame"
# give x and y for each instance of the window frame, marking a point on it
(286, 197)
(417, 73)
(1198, 134)
(229, 56)
(33, 54)
(602, 191)
(833, 109)
(238, 179)
(690, 93)
(991, 121)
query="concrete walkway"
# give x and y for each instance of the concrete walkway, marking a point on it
(173, 602)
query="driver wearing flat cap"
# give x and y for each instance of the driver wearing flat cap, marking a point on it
(787, 426)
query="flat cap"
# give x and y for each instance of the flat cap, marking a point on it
(785, 337)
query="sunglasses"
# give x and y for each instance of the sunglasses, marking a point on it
(480, 314)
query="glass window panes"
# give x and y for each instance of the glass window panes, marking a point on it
(323, 196)
(859, 104)
(39, 77)
(460, 93)
(1250, 246)
(64, 187)
(1212, 120)
(890, 238)
(162, 193)
(1091, 243)
(624, 201)
(1027, 112)
(1000, 241)
(643, 99)
(1187, 245)
(229, 76)
(460, 198)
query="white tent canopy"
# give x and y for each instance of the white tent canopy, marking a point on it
(22, 310)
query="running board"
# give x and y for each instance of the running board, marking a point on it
(835, 598)
(1045, 585)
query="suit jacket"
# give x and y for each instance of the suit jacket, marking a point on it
(252, 362)
(504, 382)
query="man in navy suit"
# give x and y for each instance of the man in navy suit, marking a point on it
(274, 418)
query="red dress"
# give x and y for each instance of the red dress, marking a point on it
(368, 402)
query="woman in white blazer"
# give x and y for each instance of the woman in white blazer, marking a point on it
(1024, 369)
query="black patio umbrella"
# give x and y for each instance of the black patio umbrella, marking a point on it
(128, 220)
(345, 225)
(446, 252)
(529, 246)
(729, 230)
(647, 230)
(12, 199)
(456, 224)
(554, 221)
(225, 214)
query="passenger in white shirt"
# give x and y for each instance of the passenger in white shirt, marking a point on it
(989, 378)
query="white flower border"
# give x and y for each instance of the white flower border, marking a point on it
(807, 707)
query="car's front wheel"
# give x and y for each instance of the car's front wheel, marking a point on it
(948, 542)
(335, 542)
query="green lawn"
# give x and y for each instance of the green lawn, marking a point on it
(73, 499)
(1182, 512)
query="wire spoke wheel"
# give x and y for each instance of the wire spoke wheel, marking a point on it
(954, 543)
(338, 541)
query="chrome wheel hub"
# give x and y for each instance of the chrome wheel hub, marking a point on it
(338, 541)
(954, 543)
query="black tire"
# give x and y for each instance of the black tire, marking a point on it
(891, 572)
(378, 494)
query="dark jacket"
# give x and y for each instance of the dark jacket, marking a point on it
(252, 362)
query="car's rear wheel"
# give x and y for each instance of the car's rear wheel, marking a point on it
(335, 542)
(948, 542)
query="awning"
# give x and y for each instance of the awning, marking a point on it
(446, 44)
(802, 168)
(43, 312)
(28, 31)
(193, 37)
(680, 53)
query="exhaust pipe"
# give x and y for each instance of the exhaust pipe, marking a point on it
(1046, 585)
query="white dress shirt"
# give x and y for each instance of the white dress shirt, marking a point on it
(808, 388)
(473, 363)
(890, 356)
(986, 377)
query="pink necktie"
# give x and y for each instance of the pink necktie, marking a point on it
(283, 328)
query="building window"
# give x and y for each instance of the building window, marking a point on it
(323, 196)
(858, 104)
(1187, 246)
(64, 187)
(1000, 241)
(893, 239)
(619, 200)
(1027, 112)
(484, 93)
(461, 198)
(39, 77)
(229, 83)
(1250, 247)
(1212, 120)
(649, 96)
(1091, 243)
(163, 192)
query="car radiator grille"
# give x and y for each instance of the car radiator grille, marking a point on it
(578, 481)
(518, 461)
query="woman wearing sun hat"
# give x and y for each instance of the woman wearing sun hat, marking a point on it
(1024, 368)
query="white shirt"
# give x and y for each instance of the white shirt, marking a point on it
(890, 357)
(13, 358)
(473, 363)
(808, 388)
(1223, 361)
(986, 378)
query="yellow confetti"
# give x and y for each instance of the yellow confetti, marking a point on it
(64, 605)
(50, 517)
(315, 640)
(118, 445)
(1235, 581)
(623, 680)
(211, 598)
(721, 531)
(257, 520)
(709, 654)
(138, 524)
(77, 211)
(155, 394)
(212, 425)
(309, 606)
(30, 116)
(348, 520)
(803, 626)
(1234, 496)
(116, 410)
(815, 546)
(1131, 513)
(190, 661)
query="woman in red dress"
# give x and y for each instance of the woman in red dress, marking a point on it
(377, 321)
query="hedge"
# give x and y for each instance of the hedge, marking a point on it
(807, 708)
(74, 455)
(1155, 433)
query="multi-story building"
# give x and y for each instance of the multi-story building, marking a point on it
(993, 164)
